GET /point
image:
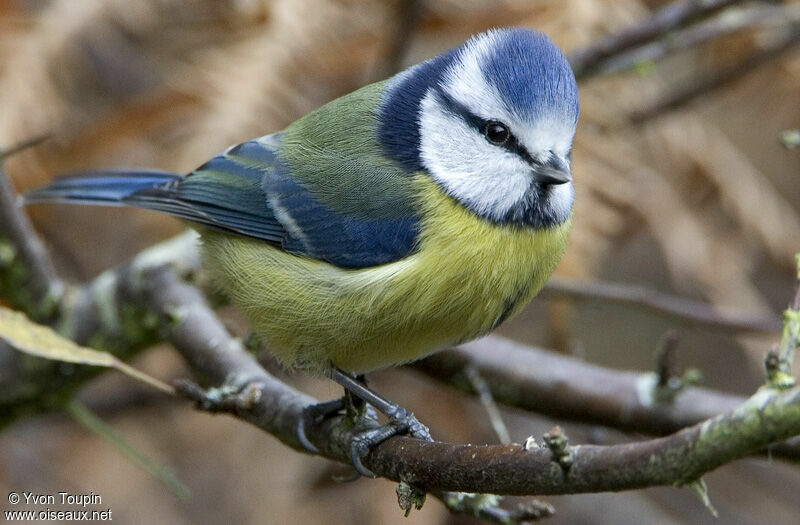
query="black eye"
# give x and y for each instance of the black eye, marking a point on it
(496, 132)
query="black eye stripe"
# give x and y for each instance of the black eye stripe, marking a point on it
(512, 144)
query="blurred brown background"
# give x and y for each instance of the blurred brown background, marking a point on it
(702, 202)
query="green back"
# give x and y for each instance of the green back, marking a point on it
(335, 153)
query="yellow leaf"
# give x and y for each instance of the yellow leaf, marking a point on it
(26, 336)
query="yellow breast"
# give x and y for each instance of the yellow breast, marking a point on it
(467, 276)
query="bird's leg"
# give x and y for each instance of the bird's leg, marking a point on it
(353, 406)
(401, 421)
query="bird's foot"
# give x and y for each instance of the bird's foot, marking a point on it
(401, 422)
(359, 403)
(354, 408)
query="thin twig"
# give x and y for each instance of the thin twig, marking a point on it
(694, 313)
(791, 326)
(668, 385)
(665, 358)
(586, 60)
(729, 22)
(779, 360)
(718, 79)
(27, 276)
(485, 395)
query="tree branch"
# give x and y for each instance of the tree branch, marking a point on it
(779, 360)
(566, 388)
(687, 311)
(563, 387)
(586, 61)
(679, 458)
(100, 313)
(731, 21)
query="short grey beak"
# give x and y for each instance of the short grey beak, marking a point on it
(554, 171)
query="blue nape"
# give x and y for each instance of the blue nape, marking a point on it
(398, 113)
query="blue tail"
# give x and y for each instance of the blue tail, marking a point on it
(106, 188)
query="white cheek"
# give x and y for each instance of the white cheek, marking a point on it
(460, 159)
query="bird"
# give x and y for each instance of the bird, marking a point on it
(411, 215)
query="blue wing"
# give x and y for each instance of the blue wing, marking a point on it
(248, 191)
(309, 226)
(319, 231)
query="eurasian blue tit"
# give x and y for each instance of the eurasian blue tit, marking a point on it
(401, 219)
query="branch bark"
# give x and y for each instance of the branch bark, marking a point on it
(101, 313)
(566, 388)
(675, 459)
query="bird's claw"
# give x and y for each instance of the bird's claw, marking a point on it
(400, 422)
(359, 447)
(312, 414)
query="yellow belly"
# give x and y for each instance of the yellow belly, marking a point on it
(467, 276)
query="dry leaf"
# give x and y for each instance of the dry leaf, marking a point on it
(26, 336)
